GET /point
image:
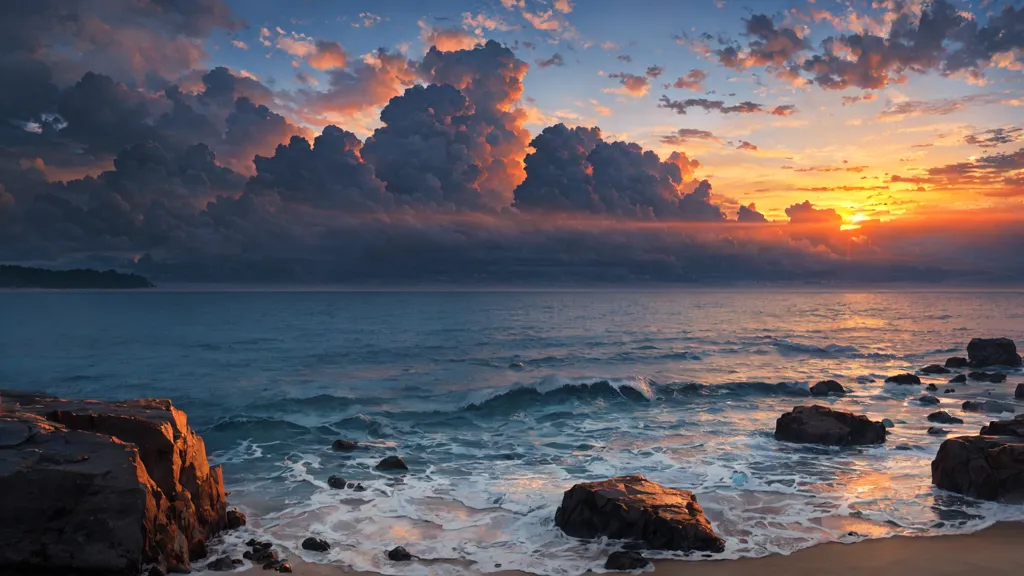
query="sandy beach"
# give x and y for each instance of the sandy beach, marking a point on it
(995, 550)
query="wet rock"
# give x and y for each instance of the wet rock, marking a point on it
(943, 417)
(984, 467)
(937, 431)
(993, 377)
(931, 387)
(247, 554)
(392, 463)
(236, 519)
(949, 391)
(904, 378)
(928, 399)
(342, 445)
(285, 568)
(957, 362)
(626, 561)
(1019, 392)
(155, 571)
(958, 379)
(634, 508)
(102, 486)
(315, 544)
(517, 366)
(935, 369)
(399, 554)
(264, 556)
(359, 488)
(983, 352)
(822, 425)
(273, 565)
(336, 482)
(222, 564)
(197, 551)
(827, 387)
(887, 423)
(987, 406)
(1013, 427)
(262, 546)
(251, 542)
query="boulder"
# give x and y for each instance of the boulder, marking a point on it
(103, 487)
(958, 379)
(222, 564)
(943, 417)
(823, 425)
(982, 352)
(344, 445)
(993, 377)
(336, 482)
(931, 388)
(626, 561)
(957, 362)
(634, 508)
(827, 387)
(399, 554)
(1013, 427)
(935, 369)
(236, 519)
(984, 467)
(888, 423)
(928, 399)
(986, 406)
(904, 378)
(392, 463)
(1019, 392)
(315, 544)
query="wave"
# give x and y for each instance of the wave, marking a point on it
(738, 389)
(788, 347)
(558, 389)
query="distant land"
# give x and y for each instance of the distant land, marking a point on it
(26, 277)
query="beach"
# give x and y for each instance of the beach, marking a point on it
(994, 550)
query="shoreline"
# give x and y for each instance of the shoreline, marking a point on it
(993, 550)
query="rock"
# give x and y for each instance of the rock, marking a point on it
(935, 369)
(247, 554)
(336, 482)
(936, 430)
(392, 463)
(155, 571)
(982, 352)
(626, 561)
(359, 488)
(887, 423)
(315, 544)
(903, 379)
(1013, 427)
(399, 554)
(344, 445)
(273, 565)
(949, 391)
(517, 366)
(1019, 392)
(943, 417)
(104, 487)
(264, 556)
(197, 550)
(827, 387)
(822, 425)
(222, 564)
(634, 508)
(285, 568)
(236, 519)
(993, 377)
(958, 379)
(251, 542)
(957, 362)
(984, 467)
(931, 387)
(928, 399)
(987, 406)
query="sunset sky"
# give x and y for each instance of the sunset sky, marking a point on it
(901, 116)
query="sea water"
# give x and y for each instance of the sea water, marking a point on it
(500, 401)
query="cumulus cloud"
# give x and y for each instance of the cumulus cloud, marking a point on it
(694, 80)
(806, 213)
(749, 215)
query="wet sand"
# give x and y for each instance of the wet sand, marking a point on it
(995, 551)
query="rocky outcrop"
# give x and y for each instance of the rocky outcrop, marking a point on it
(906, 379)
(101, 488)
(982, 352)
(634, 508)
(828, 388)
(1013, 427)
(943, 417)
(823, 425)
(984, 467)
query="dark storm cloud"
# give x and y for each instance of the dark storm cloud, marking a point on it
(575, 170)
(747, 107)
(749, 214)
(555, 60)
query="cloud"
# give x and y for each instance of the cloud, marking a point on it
(447, 39)
(367, 20)
(747, 107)
(744, 145)
(239, 44)
(365, 86)
(749, 215)
(632, 84)
(555, 60)
(865, 97)
(694, 80)
(806, 213)
(997, 175)
(994, 137)
(624, 58)
(684, 135)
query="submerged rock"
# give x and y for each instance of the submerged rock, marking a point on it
(993, 377)
(984, 352)
(103, 487)
(937, 431)
(827, 388)
(315, 544)
(392, 463)
(336, 482)
(823, 425)
(943, 417)
(984, 467)
(958, 379)
(905, 378)
(887, 423)
(957, 362)
(626, 561)
(928, 399)
(342, 445)
(399, 554)
(634, 508)
(935, 369)
(517, 366)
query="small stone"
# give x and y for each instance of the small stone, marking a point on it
(285, 568)
(904, 378)
(931, 387)
(625, 561)
(887, 423)
(315, 544)
(943, 417)
(344, 445)
(392, 463)
(399, 554)
(958, 379)
(937, 430)
(949, 390)
(928, 399)
(336, 482)
(251, 542)
(222, 564)
(236, 519)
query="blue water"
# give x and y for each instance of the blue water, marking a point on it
(681, 386)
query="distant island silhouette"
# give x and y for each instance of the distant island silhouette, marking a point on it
(27, 277)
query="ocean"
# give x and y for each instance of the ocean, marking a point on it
(501, 400)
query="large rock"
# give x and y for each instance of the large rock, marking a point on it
(1013, 427)
(827, 388)
(985, 467)
(103, 487)
(957, 362)
(634, 508)
(905, 378)
(823, 425)
(982, 352)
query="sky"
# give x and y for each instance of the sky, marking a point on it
(515, 140)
